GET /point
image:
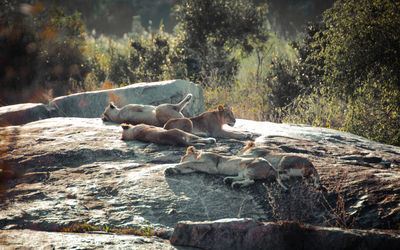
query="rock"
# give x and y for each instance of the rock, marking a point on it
(92, 104)
(67, 170)
(250, 234)
(22, 113)
(31, 239)
(78, 169)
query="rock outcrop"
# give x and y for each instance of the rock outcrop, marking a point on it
(285, 235)
(92, 104)
(66, 170)
(19, 114)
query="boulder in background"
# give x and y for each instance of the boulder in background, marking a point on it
(93, 103)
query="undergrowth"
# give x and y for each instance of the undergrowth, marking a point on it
(85, 228)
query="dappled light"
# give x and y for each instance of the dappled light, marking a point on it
(121, 119)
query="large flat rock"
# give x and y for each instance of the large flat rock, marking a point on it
(78, 169)
(66, 170)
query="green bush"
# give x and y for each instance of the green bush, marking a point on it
(42, 51)
(211, 30)
(351, 62)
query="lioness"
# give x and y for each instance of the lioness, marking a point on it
(246, 169)
(209, 123)
(147, 114)
(287, 165)
(148, 133)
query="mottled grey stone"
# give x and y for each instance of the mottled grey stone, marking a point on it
(22, 113)
(92, 104)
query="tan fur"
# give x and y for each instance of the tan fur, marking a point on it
(147, 114)
(148, 133)
(286, 165)
(242, 171)
(209, 123)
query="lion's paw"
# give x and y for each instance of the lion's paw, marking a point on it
(236, 185)
(211, 140)
(228, 180)
(170, 171)
(252, 136)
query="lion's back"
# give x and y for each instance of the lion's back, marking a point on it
(137, 113)
(207, 122)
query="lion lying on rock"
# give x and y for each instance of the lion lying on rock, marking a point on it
(147, 114)
(242, 170)
(209, 124)
(287, 165)
(247, 169)
(148, 133)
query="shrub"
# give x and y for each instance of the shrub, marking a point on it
(211, 29)
(299, 203)
(42, 52)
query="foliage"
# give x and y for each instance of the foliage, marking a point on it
(342, 74)
(335, 209)
(353, 61)
(141, 58)
(212, 29)
(299, 203)
(40, 50)
(85, 227)
(360, 38)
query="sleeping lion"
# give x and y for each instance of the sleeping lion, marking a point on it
(245, 169)
(286, 164)
(147, 114)
(148, 133)
(252, 164)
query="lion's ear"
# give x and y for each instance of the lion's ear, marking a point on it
(112, 105)
(220, 108)
(191, 150)
(250, 144)
(125, 126)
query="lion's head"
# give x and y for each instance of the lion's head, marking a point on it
(191, 154)
(110, 111)
(227, 115)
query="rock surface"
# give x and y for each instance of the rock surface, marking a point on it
(249, 234)
(23, 113)
(92, 104)
(69, 170)
(30, 239)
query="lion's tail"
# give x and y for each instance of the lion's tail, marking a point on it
(185, 101)
(249, 144)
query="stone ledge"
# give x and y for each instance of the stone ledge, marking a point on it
(19, 114)
(250, 234)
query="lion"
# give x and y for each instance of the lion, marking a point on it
(286, 165)
(245, 169)
(147, 114)
(149, 133)
(209, 124)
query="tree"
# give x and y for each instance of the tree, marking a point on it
(40, 51)
(212, 29)
(356, 55)
(361, 37)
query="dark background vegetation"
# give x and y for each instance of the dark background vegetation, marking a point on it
(326, 63)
